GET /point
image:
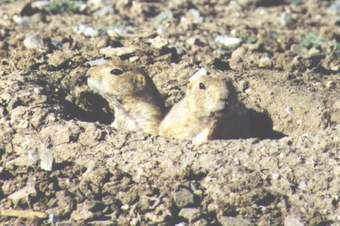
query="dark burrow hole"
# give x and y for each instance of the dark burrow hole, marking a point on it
(95, 109)
(261, 126)
(88, 107)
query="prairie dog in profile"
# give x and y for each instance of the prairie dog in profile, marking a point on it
(197, 115)
(132, 94)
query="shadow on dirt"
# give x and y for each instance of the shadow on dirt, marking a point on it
(261, 126)
(96, 109)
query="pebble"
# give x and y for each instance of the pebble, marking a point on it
(158, 42)
(265, 62)
(22, 194)
(183, 197)
(286, 19)
(82, 214)
(292, 221)
(193, 16)
(119, 51)
(21, 20)
(181, 224)
(228, 41)
(33, 42)
(40, 4)
(103, 11)
(164, 16)
(117, 31)
(313, 52)
(234, 221)
(94, 4)
(96, 62)
(46, 159)
(330, 84)
(86, 30)
(334, 8)
(32, 157)
(189, 213)
(59, 57)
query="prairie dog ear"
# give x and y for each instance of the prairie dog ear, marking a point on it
(200, 73)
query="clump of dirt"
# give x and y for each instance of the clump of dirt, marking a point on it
(62, 161)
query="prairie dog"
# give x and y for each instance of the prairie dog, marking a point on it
(133, 96)
(197, 115)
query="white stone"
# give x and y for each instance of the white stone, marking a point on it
(86, 30)
(228, 41)
(292, 221)
(119, 51)
(33, 42)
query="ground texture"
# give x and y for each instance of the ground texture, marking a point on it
(59, 156)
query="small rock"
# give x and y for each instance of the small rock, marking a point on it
(286, 19)
(33, 42)
(330, 84)
(183, 197)
(104, 11)
(104, 222)
(22, 194)
(181, 224)
(158, 42)
(133, 59)
(58, 58)
(234, 221)
(228, 41)
(40, 4)
(334, 8)
(86, 30)
(32, 157)
(189, 213)
(117, 31)
(193, 16)
(119, 51)
(64, 223)
(265, 62)
(164, 16)
(21, 20)
(313, 52)
(94, 4)
(46, 159)
(82, 214)
(292, 221)
(95, 62)
(195, 40)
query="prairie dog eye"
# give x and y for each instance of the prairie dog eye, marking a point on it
(201, 85)
(116, 71)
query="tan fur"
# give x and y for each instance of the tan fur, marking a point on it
(132, 95)
(197, 114)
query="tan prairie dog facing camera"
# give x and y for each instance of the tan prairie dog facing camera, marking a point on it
(201, 114)
(132, 94)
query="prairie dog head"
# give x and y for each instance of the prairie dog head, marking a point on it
(116, 79)
(208, 96)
